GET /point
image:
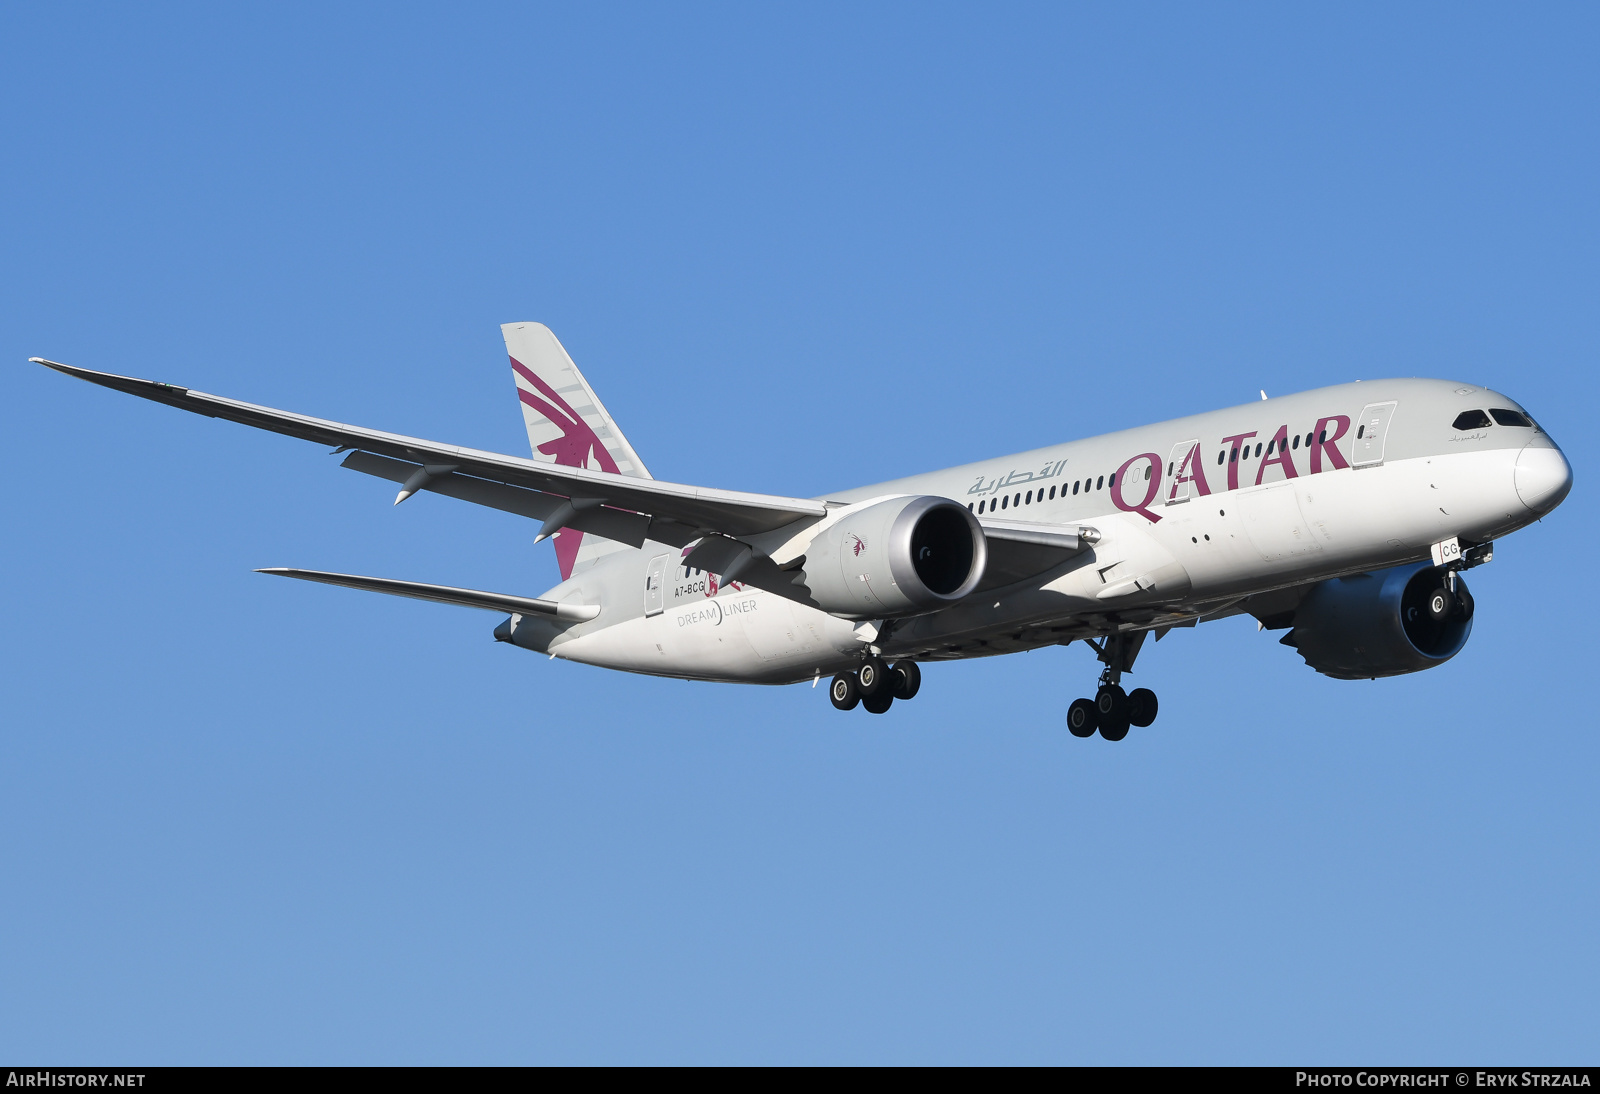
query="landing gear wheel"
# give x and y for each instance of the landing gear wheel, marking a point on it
(1440, 604)
(872, 677)
(1082, 718)
(879, 703)
(1141, 707)
(1111, 704)
(843, 692)
(905, 679)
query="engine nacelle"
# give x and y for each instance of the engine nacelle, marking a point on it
(1385, 623)
(896, 557)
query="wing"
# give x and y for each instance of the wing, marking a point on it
(671, 513)
(626, 509)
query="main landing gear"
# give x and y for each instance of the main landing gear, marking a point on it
(875, 685)
(1113, 710)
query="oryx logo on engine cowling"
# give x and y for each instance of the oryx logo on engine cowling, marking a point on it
(856, 544)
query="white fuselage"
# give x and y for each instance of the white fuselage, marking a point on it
(1358, 477)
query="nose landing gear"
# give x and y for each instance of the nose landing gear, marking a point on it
(875, 685)
(1112, 711)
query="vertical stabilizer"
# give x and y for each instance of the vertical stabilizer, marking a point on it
(567, 425)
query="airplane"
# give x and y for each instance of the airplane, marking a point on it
(1343, 516)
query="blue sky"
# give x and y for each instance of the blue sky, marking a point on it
(245, 821)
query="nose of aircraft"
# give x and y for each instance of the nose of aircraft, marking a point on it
(1543, 477)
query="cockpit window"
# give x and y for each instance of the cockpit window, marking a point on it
(1511, 417)
(1473, 419)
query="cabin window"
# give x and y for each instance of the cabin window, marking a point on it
(1511, 417)
(1052, 493)
(1234, 457)
(1075, 486)
(1471, 419)
(1308, 440)
(969, 507)
(1220, 457)
(1323, 437)
(1029, 499)
(1296, 441)
(1361, 432)
(1017, 500)
(1003, 502)
(1101, 483)
(1258, 451)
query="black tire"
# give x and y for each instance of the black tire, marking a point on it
(1440, 604)
(1142, 707)
(844, 693)
(872, 677)
(1082, 718)
(879, 703)
(905, 679)
(1111, 702)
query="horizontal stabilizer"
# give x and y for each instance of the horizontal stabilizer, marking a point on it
(445, 594)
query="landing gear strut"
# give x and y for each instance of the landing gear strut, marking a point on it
(1113, 710)
(875, 686)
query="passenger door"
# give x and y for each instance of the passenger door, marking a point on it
(655, 586)
(1180, 452)
(1371, 430)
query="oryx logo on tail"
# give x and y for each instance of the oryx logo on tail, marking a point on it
(567, 425)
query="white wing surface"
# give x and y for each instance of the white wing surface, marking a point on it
(632, 508)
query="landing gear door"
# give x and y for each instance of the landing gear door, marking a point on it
(1181, 470)
(1371, 429)
(655, 586)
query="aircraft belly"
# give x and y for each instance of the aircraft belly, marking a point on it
(741, 635)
